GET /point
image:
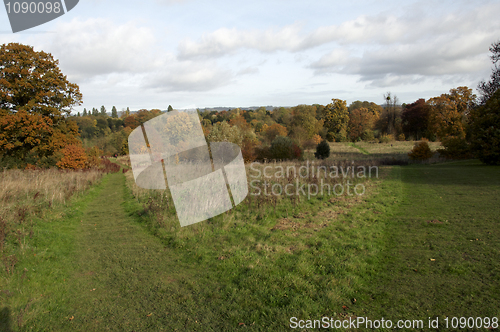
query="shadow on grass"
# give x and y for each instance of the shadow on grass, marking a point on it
(5, 322)
(468, 173)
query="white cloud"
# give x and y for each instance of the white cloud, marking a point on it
(248, 71)
(224, 41)
(385, 48)
(98, 47)
(189, 76)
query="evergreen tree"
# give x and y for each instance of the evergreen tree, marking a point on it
(95, 112)
(84, 112)
(487, 89)
(78, 114)
(103, 110)
(170, 109)
(322, 150)
(114, 113)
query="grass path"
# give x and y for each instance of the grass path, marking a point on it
(113, 275)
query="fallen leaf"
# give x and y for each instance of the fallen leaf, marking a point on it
(240, 324)
(72, 317)
(149, 315)
(432, 259)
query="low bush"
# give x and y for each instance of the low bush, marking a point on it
(421, 151)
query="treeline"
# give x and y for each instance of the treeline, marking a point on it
(284, 133)
(38, 130)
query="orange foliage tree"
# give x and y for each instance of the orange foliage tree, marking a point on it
(35, 100)
(360, 120)
(74, 157)
(449, 113)
(274, 130)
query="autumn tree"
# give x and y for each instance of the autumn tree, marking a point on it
(361, 121)
(449, 112)
(274, 130)
(336, 117)
(74, 157)
(415, 119)
(36, 98)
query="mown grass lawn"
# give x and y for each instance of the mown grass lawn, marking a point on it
(423, 242)
(442, 255)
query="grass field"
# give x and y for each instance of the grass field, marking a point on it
(421, 242)
(382, 152)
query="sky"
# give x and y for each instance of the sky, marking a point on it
(196, 54)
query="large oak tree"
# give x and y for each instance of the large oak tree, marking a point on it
(35, 100)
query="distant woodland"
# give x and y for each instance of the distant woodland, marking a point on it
(38, 130)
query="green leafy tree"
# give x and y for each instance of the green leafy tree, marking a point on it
(304, 124)
(485, 130)
(224, 132)
(103, 110)
(487, 89)
(282, 148)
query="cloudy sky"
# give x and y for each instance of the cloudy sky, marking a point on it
(188, 53)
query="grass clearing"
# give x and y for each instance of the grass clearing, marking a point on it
(442, 255)
(422, 242)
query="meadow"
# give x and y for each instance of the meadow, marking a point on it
(421, 242)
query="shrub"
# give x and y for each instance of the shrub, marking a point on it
(401, 137)
(322, 150)
(421, 151)
(282, 148)
(455, 148)
(93, 157)
(298, 153)
(74, 157)
(386, 138)
(368, 135)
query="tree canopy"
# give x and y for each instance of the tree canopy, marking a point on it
(35, 100)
